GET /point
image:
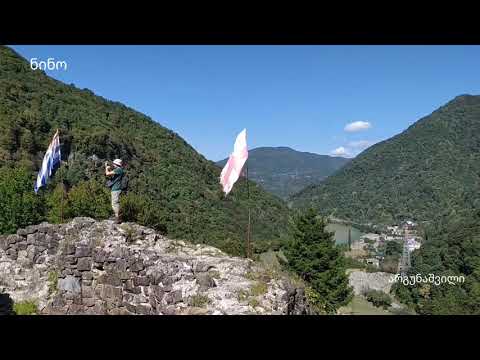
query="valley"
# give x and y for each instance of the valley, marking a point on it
(304, 234)
(283, 171)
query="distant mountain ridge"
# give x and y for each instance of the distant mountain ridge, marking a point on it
(283, 171)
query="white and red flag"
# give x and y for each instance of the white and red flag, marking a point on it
(232, 170)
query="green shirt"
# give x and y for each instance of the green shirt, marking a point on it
(117, 178)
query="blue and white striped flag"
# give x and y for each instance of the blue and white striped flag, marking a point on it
(50, 162)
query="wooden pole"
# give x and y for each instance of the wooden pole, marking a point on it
(249, 248)
(61, 179)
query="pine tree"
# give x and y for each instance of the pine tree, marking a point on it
(314, 256)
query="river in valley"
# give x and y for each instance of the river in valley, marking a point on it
(341, 233)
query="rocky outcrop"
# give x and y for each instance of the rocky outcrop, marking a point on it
(362, 281)
(90, 267)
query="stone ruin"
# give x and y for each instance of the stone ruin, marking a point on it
(91, 267)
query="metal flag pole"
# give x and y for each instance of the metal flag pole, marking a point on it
(249, 248)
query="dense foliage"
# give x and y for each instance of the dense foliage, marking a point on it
(171, 185)
(314, 257)
(452, 249)
(393, 248)
(378, 298)
(19, 206)
(283, 171)
(430, 170)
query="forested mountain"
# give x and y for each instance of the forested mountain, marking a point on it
(430, 170)
(283, 171)
(172, 187)
(451, 257)
(429, 173)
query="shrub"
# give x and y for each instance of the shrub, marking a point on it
(199, 300)
(52, 282)
(351, 263)
(242, 295)
(259, 288)
(90, 199)
(314, 300)
(25, 308)
(57, 203)
(129, 233)
(19, 204)
(139, 209)
(378, 298)
(253, 302)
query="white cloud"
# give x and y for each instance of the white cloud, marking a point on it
(341, 151)
(357, 126)
(360, 144)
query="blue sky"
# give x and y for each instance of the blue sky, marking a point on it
(297, 96)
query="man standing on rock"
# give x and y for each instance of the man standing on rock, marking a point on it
(116, 185)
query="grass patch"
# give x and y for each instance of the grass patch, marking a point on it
(129, 233)
(354, 263)
(360, 306)
(25, 308)
(253, 302)
(199, 300)
(52, 282)
(378, 298)
(242, 295)
(259, 288)
(315, 300)
(266, 275)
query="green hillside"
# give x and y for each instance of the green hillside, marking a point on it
(452, 255)
(283, 171)
(171, 185)
(428, 171)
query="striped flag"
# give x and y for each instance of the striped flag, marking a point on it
(51, 161)
(233, 168)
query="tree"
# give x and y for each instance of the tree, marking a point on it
(314, 257)
(19, 204)
(453, 251)
(393, 248)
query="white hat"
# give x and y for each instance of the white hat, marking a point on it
(117, 162)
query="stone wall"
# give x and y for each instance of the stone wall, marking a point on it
(89, 267)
